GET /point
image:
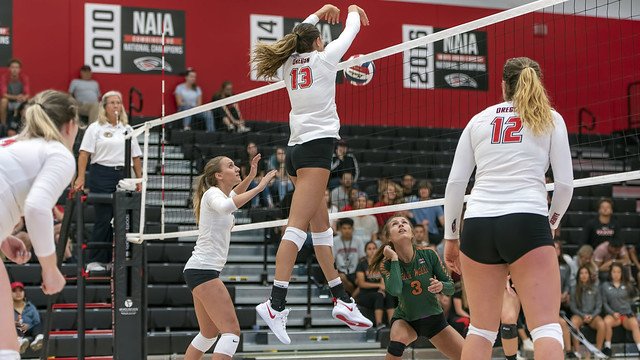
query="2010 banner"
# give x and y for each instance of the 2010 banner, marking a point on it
(6, 31)
(122, 39)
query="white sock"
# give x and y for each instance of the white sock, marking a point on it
(607, 344)
(638, 346)
(335, 282)
(281, 284)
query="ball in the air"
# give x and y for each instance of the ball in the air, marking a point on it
(360, 74)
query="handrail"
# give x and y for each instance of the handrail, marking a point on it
(581, 125)
(133, 90)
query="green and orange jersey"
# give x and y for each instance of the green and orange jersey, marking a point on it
(410, 281)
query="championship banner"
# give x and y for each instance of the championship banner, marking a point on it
(120, 39)
(6, 31)
(270, 28)
(457, 62)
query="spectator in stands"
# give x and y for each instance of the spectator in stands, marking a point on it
(602, 228)
(27, 318)
(372, 294)
(17, 120)
(409, 186)
(391, 195)
(583, 257)
(430, 217)
(364, 226)
(617, 297)
(347, 252)
(331, 209)
(14, 89)
(103, 147)
(373, 191)
(343, 161)
(189, 95)
(420, 237)
(340, 195)
(452, 319)
(565, 275)
(282, 184)
(461, 306)
(87, 92)
(586, 305)
(230, 115)
(264, 198)
(610, 252)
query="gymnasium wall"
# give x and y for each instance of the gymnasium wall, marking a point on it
(48, 36)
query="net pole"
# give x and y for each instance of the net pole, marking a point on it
(162, 138)
(145, 176)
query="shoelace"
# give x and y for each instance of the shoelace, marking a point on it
(283, 321)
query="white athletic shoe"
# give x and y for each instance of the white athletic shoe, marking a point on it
(276, 320)
(37, 343)
(23, 344)
(349, 314)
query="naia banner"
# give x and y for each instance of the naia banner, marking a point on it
(6, 31)
(119, 39)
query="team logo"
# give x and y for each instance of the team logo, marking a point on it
(454, 225)
(151, 63)
(107, 134)
(460, 80)
(421, 261)
(554, 218)
(128, 303)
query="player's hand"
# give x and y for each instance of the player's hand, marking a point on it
(381, 288)
(329, 13)
(509, 287)
(452, 255)
(389, 253)
(364, 19)
(52, 281)
(436, 286)
(15, 250)
(266, 179)
(616, 315)
(253, 170)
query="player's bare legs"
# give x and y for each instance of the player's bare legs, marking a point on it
(509, 318)
(207, 328)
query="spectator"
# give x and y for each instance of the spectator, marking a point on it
(14, 89)
(87, 92)
(420, 237)
(103, 145)
(331, 209)
(565, 274)
(602, 228)
(347, 251)
(372, 293)
(391, 195)
(189, 95)
(343, 161)
(282, 184)
(264, 198)
(461, 307)
(27, 318)
(617, 296)
(584, 256)
(586, 305)
(364, 226)
(409, 186)
(373, 191)
(229, 114)
(430, 217)
(609, 252)
(341, 194)
(17, 120)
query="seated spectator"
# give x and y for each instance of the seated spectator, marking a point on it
(421, 237)
(430, 217)
(27, 320)
(229, 115)
(364, 226)
(609, 252)
(347, 252)
(189, 95)
(264, 198)
(373, 191)
(409, 187)
(331, 209)
(372, 294)
(391, 195)
(281, 184)
(14, 90)
(450, 314)
(565, 275)
(584, 256)
(87, 92)
(586, 305)
(617, 297)
(343, 161)
(461, 307)
(602, 228)
(340, 195)
(16, 122)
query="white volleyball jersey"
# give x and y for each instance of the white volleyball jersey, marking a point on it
(33, 174)
(311, 83)
(511, 165)
(214, 231)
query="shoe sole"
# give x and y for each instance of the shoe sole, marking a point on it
(353, 325)
(37, 346)
(23, 347)
(266, 319)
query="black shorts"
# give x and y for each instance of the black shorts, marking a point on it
(504, 239)
(429, 326)
(195, 277)
(312, 154)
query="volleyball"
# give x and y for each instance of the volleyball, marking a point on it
(360, 75)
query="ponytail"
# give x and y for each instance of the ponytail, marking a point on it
(203, 182)
(46, 113)
(523, 86)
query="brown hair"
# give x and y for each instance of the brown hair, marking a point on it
(268, 58)
(624, 279)
(378, 257)
(580, 287)
(47, 112)
(205, 181)
(523, 86)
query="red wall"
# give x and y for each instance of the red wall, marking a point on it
(588, 62)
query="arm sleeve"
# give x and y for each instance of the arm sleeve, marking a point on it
(604, 302)
(441, 274)
(463, 164)
(311, 19)
(560, 157)
(338, 47)
(573, 305)
(598, 308)
(52, 179)
(220, 204)
(393, 278)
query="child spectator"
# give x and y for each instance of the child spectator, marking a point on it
(27, 318)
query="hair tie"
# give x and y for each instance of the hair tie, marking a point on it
(297, 36)
(41, 106)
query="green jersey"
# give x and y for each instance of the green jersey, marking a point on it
(410, 281)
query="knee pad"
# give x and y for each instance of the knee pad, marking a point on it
(552, 330)
(323, 238)
(490, 336)
(202, 343)
(296, 236)
(9, 355)
(228, 344)
(396, 348)
(508, 331)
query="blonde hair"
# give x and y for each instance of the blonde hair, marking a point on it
(205, 181)
(268, 58)
(102, 112)
(523, 86)
(47, 112)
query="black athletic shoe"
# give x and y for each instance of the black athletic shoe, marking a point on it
(606, 351)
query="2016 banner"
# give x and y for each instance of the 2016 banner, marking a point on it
(6, 31)
(457, 62)
(120, 39)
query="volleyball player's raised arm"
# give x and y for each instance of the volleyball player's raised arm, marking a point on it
(338, 47)
(560, 158)
(461, 170)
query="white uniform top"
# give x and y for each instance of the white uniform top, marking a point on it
(511, 165)
(214, 231)
(313, 101)
(33, 174)
(105, 142)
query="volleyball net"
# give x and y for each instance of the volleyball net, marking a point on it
(403, 125)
